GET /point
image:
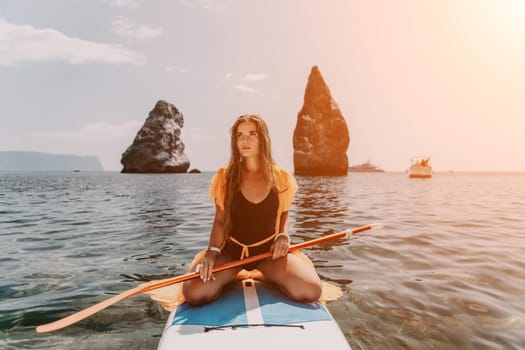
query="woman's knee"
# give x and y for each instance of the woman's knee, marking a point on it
(308, 292)
(195, 295)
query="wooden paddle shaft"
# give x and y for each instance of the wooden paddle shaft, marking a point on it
(237, 263)
(80, 315)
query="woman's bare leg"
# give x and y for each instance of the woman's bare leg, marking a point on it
(294, 276)
(197, 292)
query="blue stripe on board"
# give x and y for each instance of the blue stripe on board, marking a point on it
(278, 309)
(228, 309)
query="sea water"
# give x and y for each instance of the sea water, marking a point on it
(446, 272)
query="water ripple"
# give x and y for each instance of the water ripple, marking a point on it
(447, 271)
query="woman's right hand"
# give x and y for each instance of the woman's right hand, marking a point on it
(205, 266)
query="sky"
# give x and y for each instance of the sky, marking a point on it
(443, 78)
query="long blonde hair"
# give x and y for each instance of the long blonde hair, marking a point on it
(233, 170)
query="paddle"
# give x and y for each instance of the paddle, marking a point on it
(78, 316)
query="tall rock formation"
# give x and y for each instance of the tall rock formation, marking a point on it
(157, 148)
(320, 138)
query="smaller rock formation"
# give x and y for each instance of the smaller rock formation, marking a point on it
(320, 138)
(157, 148)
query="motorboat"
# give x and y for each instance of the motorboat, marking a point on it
(420, 168)
(366, 167)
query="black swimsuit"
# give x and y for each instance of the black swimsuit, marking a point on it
(252, 223)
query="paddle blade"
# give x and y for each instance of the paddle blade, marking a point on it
(78, 316)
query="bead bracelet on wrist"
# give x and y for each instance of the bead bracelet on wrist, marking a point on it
(213, 249)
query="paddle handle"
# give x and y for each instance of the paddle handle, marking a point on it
(80, 315)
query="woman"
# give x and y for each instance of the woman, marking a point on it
(252, 197)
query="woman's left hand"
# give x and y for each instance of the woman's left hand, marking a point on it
(280, 246)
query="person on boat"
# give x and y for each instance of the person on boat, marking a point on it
(252, 196)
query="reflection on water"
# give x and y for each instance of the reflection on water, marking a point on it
(447, 271)
(318, 205)
(319, 210)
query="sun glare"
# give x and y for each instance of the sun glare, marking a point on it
(512, 16)
(505, 19)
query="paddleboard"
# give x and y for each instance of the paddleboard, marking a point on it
(251, 314)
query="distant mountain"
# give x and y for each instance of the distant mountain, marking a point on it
(38, 161)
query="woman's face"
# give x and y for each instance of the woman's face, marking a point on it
(247, 139)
